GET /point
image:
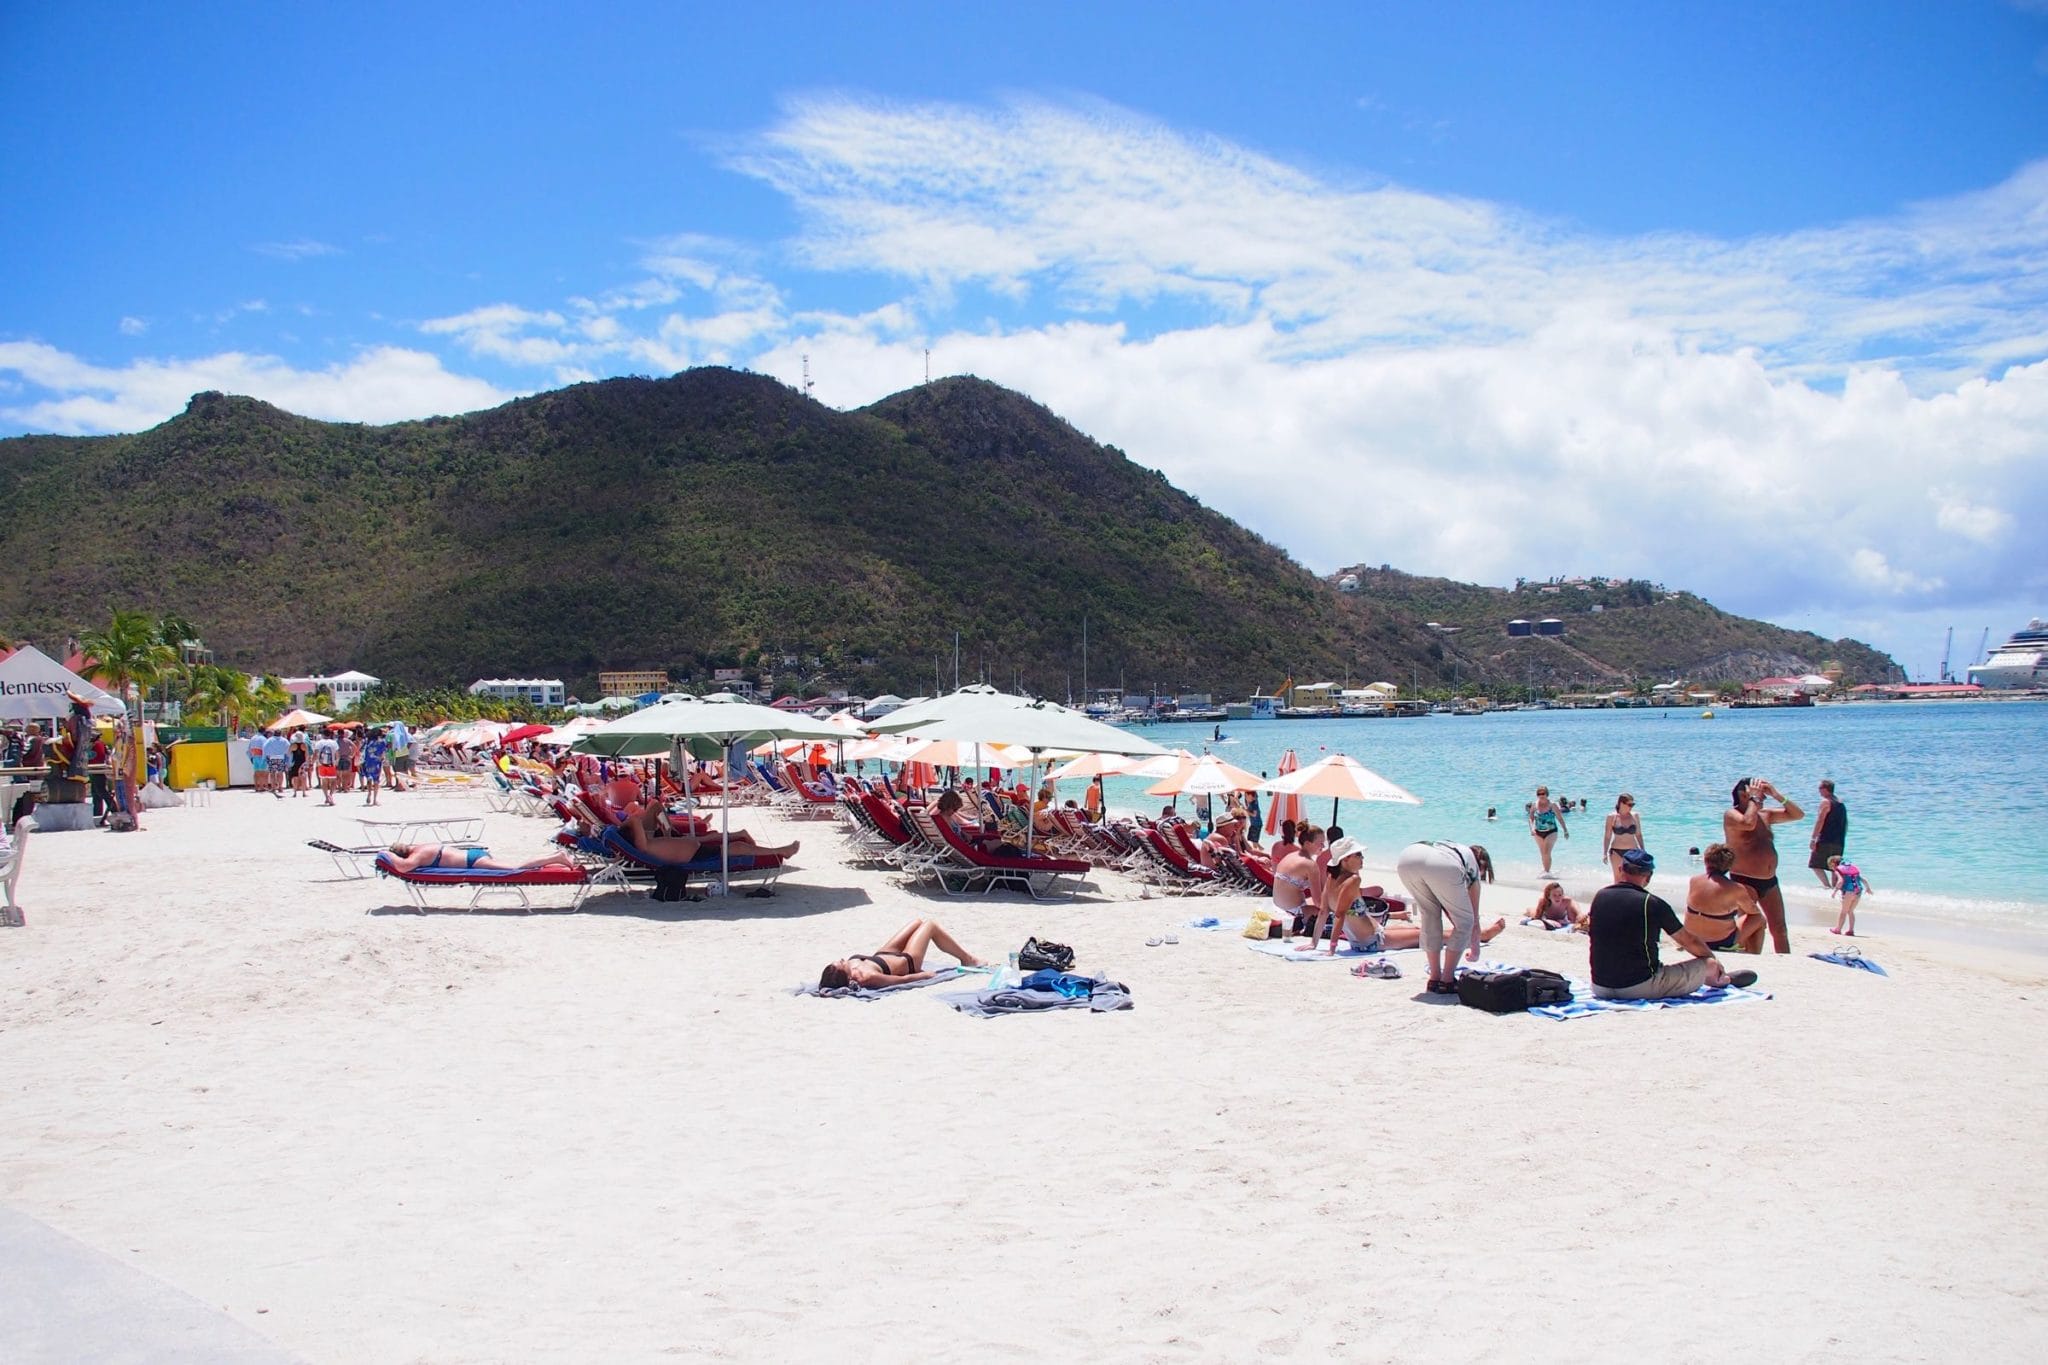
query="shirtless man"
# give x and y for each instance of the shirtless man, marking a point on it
(645, 832)
(1721, 911)
(1746, 828)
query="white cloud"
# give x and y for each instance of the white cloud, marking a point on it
(301, 249)
(133, 326)
(383, 384)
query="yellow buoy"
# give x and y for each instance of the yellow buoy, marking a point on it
(1707, 714)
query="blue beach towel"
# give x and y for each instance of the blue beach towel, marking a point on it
(1218, 926)
(1856, 960)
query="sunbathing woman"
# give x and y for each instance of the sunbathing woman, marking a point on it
(899, 960)
(1554, 909)
(413, 857)
(647, 833)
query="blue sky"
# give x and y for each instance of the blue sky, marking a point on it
(1780, 271)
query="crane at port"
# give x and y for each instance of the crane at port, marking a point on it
(1946, 646)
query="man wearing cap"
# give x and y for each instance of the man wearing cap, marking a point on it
(1624, 923)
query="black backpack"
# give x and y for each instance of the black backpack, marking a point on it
(1513, 991)
(1036, 956)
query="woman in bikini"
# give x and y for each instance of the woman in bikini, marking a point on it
(1722, 911)
(1624, 831)
(1362, 915)
(1546, 822)
(1295, 876)
(1554, 909)
(413, 857)
(899, 960)
(648, 833)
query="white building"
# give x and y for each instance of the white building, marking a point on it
(539, 691)
(346, 688)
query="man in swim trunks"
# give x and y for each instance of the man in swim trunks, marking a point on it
(899, 960)
(259, 763)
(413, 857)
(1746, 828)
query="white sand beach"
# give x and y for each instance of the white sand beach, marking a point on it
(367, 1135)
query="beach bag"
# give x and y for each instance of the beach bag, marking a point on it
(670, 884)
(1513, 991)
(1260, 925)
(1036, 956)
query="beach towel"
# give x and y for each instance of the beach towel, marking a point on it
(876, 993)
(1283, 949)
(1220, 926)
(1100, 997)
(1584, 1003)
(1848, 959)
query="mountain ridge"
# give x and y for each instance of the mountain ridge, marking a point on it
(710, 518)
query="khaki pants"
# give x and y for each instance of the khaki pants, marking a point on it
(1673, 979)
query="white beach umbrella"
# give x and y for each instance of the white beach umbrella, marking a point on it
(1341, 778)
(708, 729)
(1206, 776)
(980, 714)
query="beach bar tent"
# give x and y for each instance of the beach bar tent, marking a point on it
(707, 728)
(34, 686)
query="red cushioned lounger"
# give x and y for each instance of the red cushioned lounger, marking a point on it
(485, 881)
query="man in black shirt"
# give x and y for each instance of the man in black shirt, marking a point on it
(1830, 834)
(1624, 923)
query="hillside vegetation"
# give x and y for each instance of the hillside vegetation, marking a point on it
(717, 518)
(1630, 632)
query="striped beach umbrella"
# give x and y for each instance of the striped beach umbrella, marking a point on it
(1284, 807)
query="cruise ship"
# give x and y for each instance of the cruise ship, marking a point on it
(2021, 661)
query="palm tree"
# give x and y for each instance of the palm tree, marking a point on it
(217, 693)
(128, 652)
(269, 699)
(172, 631)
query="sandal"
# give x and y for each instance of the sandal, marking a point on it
(1742, 980)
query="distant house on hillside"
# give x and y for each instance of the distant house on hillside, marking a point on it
(539, 691)
(345, 688)
(1348, 583)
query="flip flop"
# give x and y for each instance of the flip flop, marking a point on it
(1169, 939)
(1153, 942)
(1742, 980)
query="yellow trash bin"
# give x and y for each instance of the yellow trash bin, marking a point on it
(196, 761)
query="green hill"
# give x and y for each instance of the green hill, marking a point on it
(710, 518)
(1614, 632)
(714, 518)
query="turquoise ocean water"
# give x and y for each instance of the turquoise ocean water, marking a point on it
(1948, 806)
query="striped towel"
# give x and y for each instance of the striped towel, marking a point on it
(863, 993)
(1856, 960)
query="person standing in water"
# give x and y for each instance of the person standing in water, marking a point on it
(1830, 834)
(1546, 822)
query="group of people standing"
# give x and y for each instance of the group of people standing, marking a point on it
(334, 761)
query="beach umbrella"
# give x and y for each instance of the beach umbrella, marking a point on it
(298, 718)
(707, 728)
(562, 736)
(523, 732)
(981, 714)
(1341, 778)
(1092, 765)
(1206, 776)
(1284, 807)
(959, 753)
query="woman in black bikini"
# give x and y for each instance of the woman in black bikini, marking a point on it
(899, 960)
(1624, 832)
(1722, 911)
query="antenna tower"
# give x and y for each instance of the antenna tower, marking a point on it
(927, 364)
(807, 376)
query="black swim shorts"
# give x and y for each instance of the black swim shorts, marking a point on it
(1761, 885)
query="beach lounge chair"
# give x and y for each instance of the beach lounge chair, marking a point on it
(482, 882)
(10, 873)
(975, 870)
(762, 871)
(1173, 871)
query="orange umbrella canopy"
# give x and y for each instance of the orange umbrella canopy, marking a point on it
(1341, 778)
(1284, 808)
(1206, 776)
